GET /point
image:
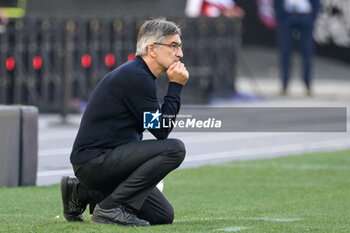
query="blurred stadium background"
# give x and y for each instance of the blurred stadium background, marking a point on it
(54, 55)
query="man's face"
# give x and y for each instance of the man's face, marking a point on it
(168, 54)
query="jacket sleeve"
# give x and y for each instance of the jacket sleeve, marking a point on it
(143, 97)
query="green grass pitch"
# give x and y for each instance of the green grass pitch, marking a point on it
(308, 193)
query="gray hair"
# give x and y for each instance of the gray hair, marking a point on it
(154, 30)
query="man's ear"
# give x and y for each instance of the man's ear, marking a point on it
(151, 50)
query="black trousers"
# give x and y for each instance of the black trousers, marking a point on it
(129, 174)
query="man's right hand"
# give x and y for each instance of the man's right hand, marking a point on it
(178, 73)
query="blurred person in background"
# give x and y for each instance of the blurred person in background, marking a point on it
(266, 13)
(116, 169)
(3, 18)
(297, 15)
(222, 87)
(213, 8)
(3, 21)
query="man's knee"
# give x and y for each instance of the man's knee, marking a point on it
(167, 217)
(155, 216)
(177, 147)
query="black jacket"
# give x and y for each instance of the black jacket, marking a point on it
(114, 114)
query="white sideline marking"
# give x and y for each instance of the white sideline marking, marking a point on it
(270, 150)
(24, 216)
(290, 166)
(67, 150)
(233, 229)
(54, 172)
(67, 134)
(216, 137)
(202, 219)
(248, 219)
(316, 167)
(274, 219)
(222, 136)
(53, 152)
(305, 147)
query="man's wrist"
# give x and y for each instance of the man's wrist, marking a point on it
(174, 88)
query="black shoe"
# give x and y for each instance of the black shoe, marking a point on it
(73, 208)
(118, 216)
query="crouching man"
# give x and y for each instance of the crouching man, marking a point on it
(116, 170)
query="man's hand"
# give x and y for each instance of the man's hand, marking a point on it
(178, 73)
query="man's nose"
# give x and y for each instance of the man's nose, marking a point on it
(179, 53)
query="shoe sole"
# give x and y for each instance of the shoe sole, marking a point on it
(64, 181)
(64, 193)
(96, 219)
